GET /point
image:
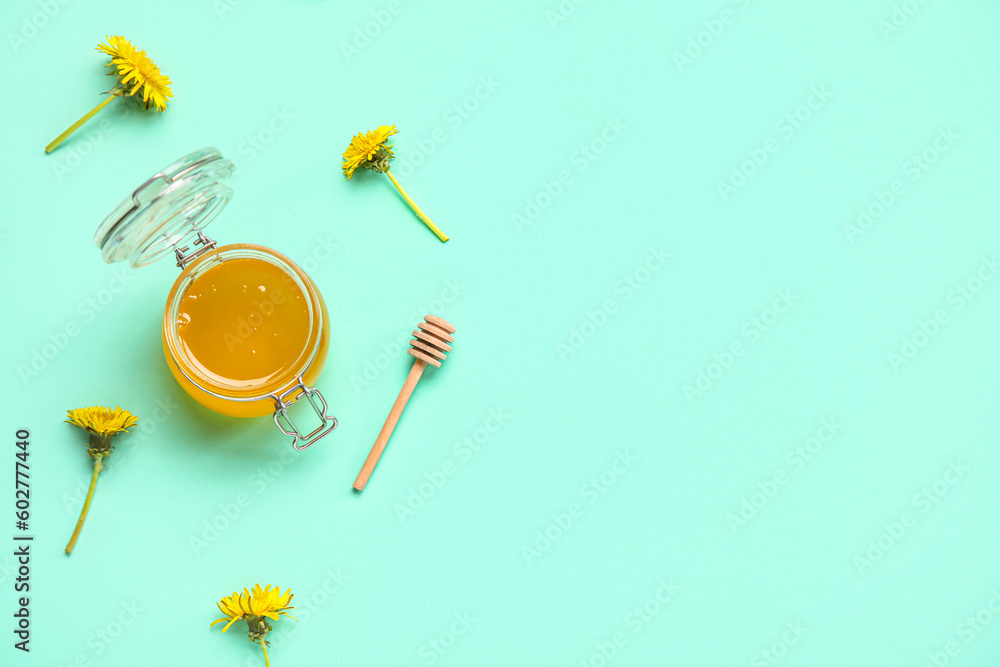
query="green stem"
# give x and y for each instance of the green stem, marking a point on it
(263, 645)
(416, 209)
(86, 503)
(75, 126)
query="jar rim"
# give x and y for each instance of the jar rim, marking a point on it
(272, 387)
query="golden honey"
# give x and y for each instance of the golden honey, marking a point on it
(241, 324)
(244, 322)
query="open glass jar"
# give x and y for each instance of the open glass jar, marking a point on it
(245, 331)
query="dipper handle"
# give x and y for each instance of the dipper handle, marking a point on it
(430, 345)
(390, 423)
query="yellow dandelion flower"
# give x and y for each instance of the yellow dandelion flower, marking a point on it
(104, 421)
(136, 73)
(368, 150)
(255, 607)
(365, 146)
(102, 424)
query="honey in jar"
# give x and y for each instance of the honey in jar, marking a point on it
(245, 331)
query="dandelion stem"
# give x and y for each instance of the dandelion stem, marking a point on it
(263, 645)
(75, 126)
(416, 209)
(86, 503)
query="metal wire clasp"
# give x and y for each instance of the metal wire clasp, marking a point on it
(184, 259)
(288, 427)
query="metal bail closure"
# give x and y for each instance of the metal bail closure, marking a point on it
(288, 427)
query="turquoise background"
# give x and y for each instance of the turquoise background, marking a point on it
(731, 456)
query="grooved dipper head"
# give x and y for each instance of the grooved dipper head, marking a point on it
(431, 340)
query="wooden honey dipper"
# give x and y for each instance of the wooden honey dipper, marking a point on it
(430, 345)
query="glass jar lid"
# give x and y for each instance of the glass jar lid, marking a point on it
(171, 207)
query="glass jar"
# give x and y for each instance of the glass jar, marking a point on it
(245, 331)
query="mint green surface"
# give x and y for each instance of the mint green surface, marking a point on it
(723, 389)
